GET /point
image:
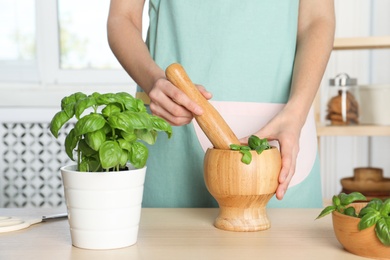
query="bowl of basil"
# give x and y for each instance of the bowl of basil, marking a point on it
(362, 227)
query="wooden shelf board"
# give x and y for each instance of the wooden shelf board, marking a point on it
(353, 130)
(357, 43)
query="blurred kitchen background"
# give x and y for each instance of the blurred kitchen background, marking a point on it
(49, 49)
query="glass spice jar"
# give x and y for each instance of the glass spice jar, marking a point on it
(343, 104)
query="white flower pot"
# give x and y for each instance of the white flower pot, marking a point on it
(104, 208)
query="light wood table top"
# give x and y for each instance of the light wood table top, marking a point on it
(184, 234)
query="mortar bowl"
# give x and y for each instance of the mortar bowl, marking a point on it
(242, 190)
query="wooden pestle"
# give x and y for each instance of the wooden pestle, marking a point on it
(211, 122)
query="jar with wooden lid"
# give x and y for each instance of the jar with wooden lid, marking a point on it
(343, 104)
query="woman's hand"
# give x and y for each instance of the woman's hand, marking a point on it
(286, 131)
(170, 103)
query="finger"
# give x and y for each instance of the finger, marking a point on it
(284, 172)
(166, 95)
(182, 99)
(172, 112)
(287, 172)
(177, 118)
(169, 99)
(282, 188)
(204, 92)
(281, 191)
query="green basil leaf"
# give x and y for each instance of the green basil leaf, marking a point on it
(138, 155)
(346, 199)
(94, 163)
(95, 95)
(128, 121)
(336, 201)
(350, 211)
(83, 166)
(107, 128)
(140, 105)
(85, 149)
(129, 137)
(367, 210)
(245, 148)
(83, 104)
(382, 230)
(110, 154)
(254, 141)
(124, 158)
(95, 139)
(326, 211)
(235, 147)
(259, 149)
(149, 137)
(69, 110)
(264, 142)
(124, 144)
(59, 119)
(78, 96)
(90, 164)
(71, 143)
(139, 120)
(71, 99)
(108, 98)
(385, 210)
(373, 207)
(65, 101)
(258, 144)
(125, 96)
(247, 156)
(160, 124)
(375, 204)
(131, 103)
(122, 122)
(369, 220)
(89, 123)
(111, 109)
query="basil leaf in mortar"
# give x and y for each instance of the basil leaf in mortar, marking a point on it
(254, 143)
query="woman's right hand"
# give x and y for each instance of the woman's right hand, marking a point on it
(171, 104)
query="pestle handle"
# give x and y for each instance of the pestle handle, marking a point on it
(211, 122)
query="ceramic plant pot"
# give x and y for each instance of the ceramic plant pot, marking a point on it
(104, 208)
(359, 242)
(242, 191)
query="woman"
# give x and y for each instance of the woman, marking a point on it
(261, 60)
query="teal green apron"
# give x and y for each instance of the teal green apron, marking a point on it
(241, 51)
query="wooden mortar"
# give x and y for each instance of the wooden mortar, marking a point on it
(242, 191)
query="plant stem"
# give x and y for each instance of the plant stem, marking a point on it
(78, 158)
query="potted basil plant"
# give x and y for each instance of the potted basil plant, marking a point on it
(103, 189)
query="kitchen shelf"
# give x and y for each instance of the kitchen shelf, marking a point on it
(359, 43)
(353, 130)
(355, 43)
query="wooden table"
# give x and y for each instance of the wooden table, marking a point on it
(184, 234)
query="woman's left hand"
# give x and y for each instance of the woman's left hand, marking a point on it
(286, 131)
